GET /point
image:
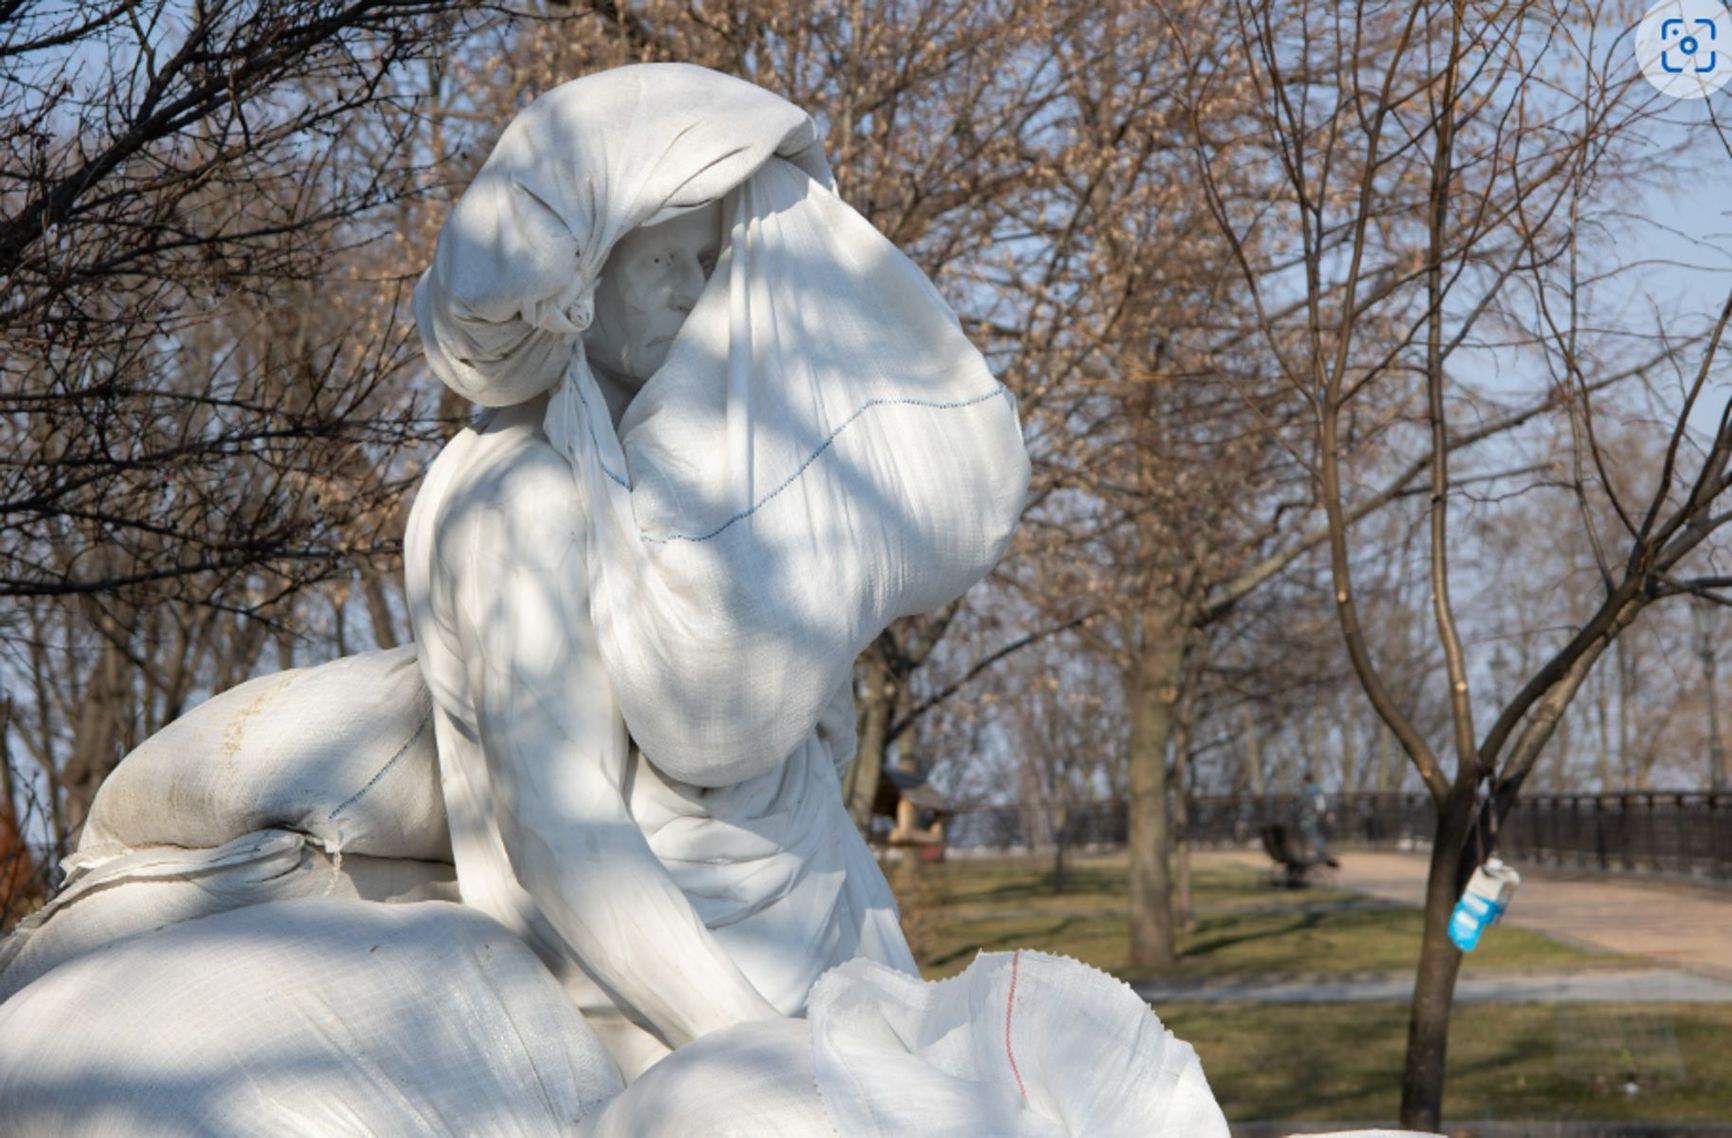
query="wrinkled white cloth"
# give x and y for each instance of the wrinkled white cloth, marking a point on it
(683, 908)
(342, 752)
(1020, 1045)
(108, 900)
(302, 1019)
(640, 641)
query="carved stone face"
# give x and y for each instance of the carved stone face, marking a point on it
(647, 289)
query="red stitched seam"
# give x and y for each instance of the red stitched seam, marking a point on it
(1009, 1007)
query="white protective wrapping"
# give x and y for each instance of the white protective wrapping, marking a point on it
(640, 640)
(342, 752)
(148, 888)
(1020, 1045)
(823, 451)
(303, 1019)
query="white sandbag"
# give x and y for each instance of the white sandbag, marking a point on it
(342, 751)
(103, 902)
(753, 1080)
(1020, 1045)
(304, 1018)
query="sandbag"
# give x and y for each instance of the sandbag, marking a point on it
(1020, 1045)
(752, 1080)
(342, 751)
(303, 1018)
(146, 889)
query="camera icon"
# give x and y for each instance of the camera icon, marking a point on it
(1685, 49)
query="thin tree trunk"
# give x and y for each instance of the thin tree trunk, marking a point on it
(1352, 777)
(1154, 699)
(1061, 847)
(98, 737)
(1182, 817)
(1253, 752)
(877, 699)
(1603, 718)
(1439, 962)
(1716, 747)
(1626, 669)
(378, 609)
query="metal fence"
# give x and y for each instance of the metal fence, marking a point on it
(1656, 832)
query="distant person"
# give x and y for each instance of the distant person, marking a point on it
(1313, 814)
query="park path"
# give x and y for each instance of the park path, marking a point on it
(1621, 986)
(1670, 924)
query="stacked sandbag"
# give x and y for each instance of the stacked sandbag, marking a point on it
(162, 885)
(1020, 1045)
(303, 1018)
(342, 752)
(319, 781)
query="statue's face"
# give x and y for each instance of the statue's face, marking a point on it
(647, 289)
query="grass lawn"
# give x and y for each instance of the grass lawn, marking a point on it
(1244, 927)
(1512, 1061)
(1605, 1062)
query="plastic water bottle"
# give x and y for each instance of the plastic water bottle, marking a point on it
(1487, 896)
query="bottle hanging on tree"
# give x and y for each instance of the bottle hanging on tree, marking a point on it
(1487, 895)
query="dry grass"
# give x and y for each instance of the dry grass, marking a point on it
(1658, 1063)
(1243, 928)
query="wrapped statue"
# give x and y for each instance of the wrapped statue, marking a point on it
(731, 433)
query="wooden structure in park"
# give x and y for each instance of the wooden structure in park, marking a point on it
(918, 812)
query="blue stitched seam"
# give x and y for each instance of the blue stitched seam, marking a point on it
(810, 459)
(383, 771)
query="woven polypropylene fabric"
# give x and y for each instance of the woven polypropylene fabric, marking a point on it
(303, 1018)
(342, 751)
(1023, 1045)
(149, 888)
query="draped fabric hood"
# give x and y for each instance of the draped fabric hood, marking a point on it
(823, 451)
(509, 291)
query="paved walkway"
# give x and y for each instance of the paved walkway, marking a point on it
(1632, 986)
(1675, 924)
(1680, 933)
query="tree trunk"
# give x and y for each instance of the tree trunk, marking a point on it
(99, 735)
(1061, 848)
(1439, 963)
(19, 882)
(1254, 782)
(1716, 748)
(1352, 776)
(1181, 819)
(877, 700)
(378, 609)
(1602, 719)
(1154, 699)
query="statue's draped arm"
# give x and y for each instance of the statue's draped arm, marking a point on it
(556, 755)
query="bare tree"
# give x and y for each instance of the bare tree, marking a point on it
(203, 406)
(1430, 183)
